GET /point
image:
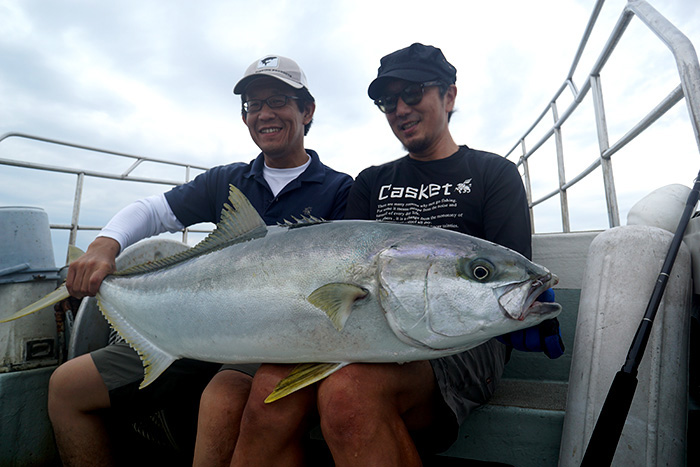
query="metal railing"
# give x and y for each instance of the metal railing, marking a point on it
(80, 174)
(689, 73)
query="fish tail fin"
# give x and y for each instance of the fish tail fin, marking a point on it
(61, 293)
(74, 253)
(56, 296)
(304, 374)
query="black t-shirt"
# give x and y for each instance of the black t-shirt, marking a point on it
(473, 192)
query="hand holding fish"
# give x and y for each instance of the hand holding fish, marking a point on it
(85, 274)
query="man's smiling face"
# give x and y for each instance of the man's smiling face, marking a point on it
(420, 127)
(278, 132)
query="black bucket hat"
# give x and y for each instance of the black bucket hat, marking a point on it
(417, 63)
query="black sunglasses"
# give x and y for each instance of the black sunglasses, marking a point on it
(273, 102)
(411, 95)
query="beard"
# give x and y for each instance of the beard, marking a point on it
(418, 146)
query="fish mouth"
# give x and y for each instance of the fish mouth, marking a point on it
(519, 299)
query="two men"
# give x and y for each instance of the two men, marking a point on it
(285, 180)
(387, 414)
(370, 414)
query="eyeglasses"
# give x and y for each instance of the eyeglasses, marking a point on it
(411, 95)
(273, 102)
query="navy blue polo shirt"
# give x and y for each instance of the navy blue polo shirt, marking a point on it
(319, 191)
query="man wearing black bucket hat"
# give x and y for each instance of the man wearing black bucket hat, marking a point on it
(390, 414)
(445, 185)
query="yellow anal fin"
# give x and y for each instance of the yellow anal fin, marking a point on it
(56, 296)
(304, 374)
(336, 300)
(155, 360)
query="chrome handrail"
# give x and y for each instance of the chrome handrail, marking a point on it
(689, 73)
(80, 174)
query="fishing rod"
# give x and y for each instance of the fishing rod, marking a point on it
(608, 428)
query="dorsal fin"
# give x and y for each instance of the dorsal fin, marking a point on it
(240, 222)
(303, 222)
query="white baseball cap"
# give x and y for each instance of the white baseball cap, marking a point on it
(283, 68)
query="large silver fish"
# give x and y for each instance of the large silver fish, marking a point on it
(321, 292)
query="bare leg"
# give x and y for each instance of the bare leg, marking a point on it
(367, 410)
(272, 434)
(220, 412)
(77, 395)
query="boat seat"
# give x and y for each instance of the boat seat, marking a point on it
(539, 395)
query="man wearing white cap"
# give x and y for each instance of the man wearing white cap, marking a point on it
(283, 181)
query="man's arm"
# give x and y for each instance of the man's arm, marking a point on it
(506, 215)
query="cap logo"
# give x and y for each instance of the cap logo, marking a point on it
(268, 62)
(276, 66)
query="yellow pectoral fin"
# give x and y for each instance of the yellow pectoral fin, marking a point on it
(336, 300)
(304, 374)
(56, 296)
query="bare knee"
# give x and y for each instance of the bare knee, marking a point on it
(220, 410)
(76, 386)
(283, 416)
(347, 407)
(62, 381)
(225, 395)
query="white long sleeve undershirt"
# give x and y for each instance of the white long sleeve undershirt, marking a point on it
(141, 219)
(151, 216)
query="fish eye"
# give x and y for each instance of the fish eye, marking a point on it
(481, 272)
(479, 269)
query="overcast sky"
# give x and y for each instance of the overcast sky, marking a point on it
(156, 77)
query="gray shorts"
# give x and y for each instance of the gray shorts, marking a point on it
(122, 372)
(120, 365)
